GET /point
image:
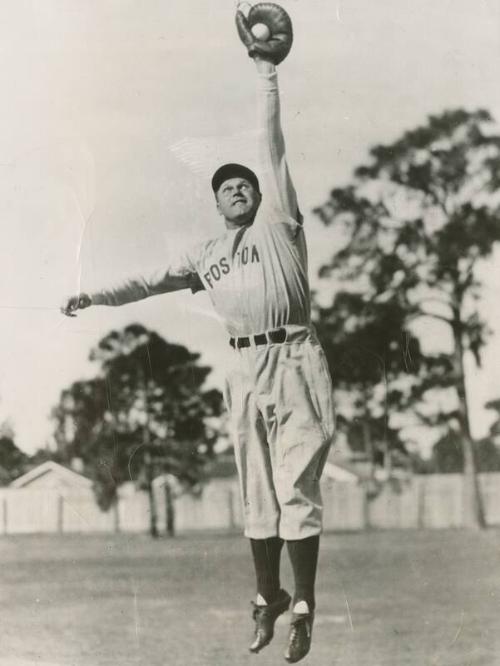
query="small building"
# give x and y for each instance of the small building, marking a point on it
(343, 472)
(52, 498)
(53, 476)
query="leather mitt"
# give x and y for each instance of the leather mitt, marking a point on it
(277, 47)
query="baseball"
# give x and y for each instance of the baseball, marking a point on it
(261, 31)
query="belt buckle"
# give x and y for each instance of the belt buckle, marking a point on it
(260, 339)
(239, 342)
(278, 336)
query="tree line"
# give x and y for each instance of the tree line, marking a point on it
(416, 221)
(145, 414)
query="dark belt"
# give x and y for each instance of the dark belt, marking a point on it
(277, 336)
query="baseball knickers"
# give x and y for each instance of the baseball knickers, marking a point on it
(279, 397)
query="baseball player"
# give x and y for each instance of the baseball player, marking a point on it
(278, 389)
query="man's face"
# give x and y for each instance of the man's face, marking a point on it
(237, 202)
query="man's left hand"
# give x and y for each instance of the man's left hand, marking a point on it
(278, 45)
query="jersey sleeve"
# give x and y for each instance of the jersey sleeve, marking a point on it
(177, 276)
(278, 190)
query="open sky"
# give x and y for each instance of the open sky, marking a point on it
(115, 113)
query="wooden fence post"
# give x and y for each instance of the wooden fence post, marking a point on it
(60, 514)
(421, 488)
(232, 517)
(5, 513)
(116, 509)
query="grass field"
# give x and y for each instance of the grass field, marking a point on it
(384, 598)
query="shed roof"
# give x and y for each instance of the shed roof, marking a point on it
(67, 476)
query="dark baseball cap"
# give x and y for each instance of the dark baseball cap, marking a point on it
(232, 170)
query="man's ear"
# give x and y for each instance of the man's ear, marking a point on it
(217, 205)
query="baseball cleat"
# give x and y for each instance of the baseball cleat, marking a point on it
(265, 617)
(299, 638)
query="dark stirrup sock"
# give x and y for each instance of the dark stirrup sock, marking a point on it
(266, 557)
(303, 555)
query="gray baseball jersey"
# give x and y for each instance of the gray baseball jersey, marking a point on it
(256, 276)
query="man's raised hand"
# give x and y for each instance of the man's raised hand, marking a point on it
(73, 303)
(274, 48)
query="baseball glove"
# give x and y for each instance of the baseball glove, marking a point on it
(277, 47)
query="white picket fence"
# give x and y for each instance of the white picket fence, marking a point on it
(434, 501)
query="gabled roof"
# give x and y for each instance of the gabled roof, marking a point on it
(69, 477)
(341, 472)
(340, 468)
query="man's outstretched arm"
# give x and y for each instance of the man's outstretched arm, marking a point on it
(271, 143)
(133, 289)
(279, 192)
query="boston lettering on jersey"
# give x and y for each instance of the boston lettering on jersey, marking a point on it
(222, 267)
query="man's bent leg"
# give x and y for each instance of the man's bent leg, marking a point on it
(304, 559)
(301, 436)
(260, 505)
(303, 555)
(261, 511)
(266, 556)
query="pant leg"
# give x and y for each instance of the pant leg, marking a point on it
(261, 510)
(300, 427)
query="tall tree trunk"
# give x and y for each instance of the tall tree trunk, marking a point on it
(387, 459)
(367, 436)
(472, 500)
(153, 512)
(169, 510)
(369, 484)
(149, 465)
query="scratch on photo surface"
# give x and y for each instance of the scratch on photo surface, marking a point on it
(149, 361)
(86, 210)
(136, 616)
(29, 307)
(131, 458)
(460, 627)
(86, 220)
(80, 515)
(203, 311)
(110, 407)
(349, 613)
(406, 352)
